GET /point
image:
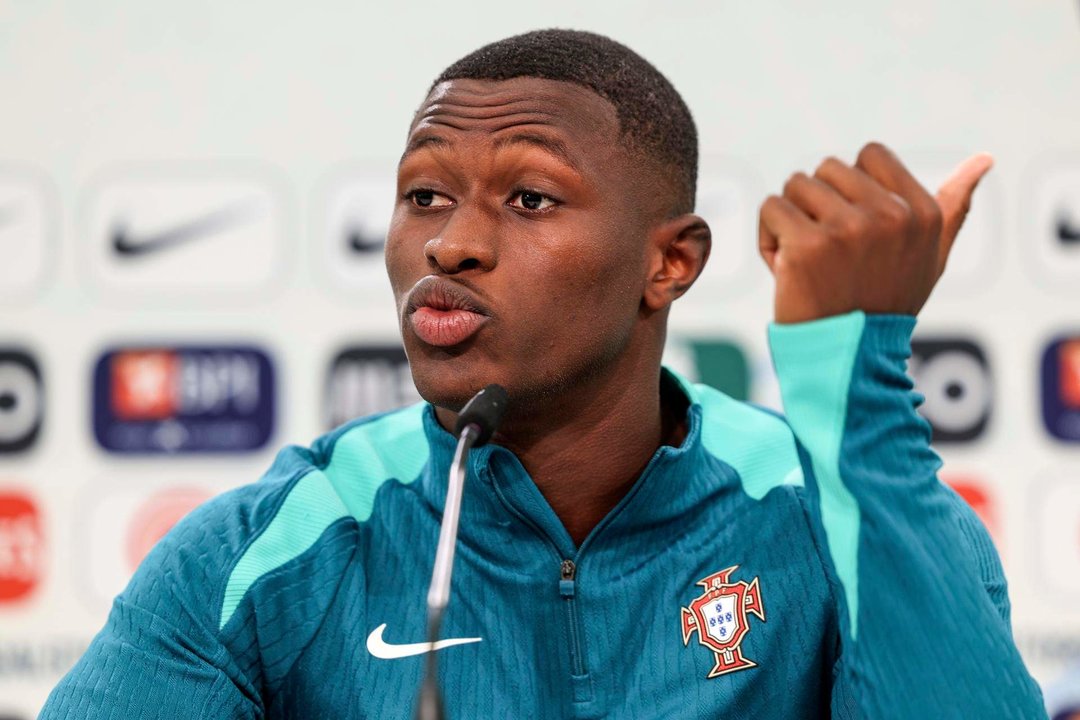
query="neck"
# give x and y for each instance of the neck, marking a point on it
(587, 447)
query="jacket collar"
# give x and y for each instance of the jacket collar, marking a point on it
(500, 494)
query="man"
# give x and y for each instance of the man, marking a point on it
(631, 545)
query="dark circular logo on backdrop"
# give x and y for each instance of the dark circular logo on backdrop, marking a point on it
(954, 376)
(21, 400)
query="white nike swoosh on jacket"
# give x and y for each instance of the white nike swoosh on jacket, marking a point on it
(384, 651)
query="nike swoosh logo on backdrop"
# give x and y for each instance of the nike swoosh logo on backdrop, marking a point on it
(128, 245)
(1067, 232)
(384, 651)
(363, 244)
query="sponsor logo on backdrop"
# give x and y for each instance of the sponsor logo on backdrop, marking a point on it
(353, 217)
(25, 214)
(980, 497)
(22, 546)
(21, 400)
(1061, 388)
(725, 365)
(954, 376)
(119, 524)
(367, 380)
(190, 399)
(1053, 238)
(155, 517)
(38, 658)
(128, 242)
(1068, 228)
(167, 233)
(1057, 530)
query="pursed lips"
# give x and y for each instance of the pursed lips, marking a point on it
(442, 313)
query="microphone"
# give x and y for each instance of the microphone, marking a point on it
(476, 424)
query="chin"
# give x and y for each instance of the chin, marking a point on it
(450, 382)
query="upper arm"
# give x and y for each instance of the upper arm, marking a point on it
(140, 665)
(160, 653)
(981, 547)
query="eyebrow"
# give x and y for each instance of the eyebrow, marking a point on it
(551, 145)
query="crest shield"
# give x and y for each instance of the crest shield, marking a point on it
(720, 617)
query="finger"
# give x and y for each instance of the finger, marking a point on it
(954, 195)
(780, 221)
(815, 197)
(768, 245)
(882, 164)
(783, 219)
(853, 183)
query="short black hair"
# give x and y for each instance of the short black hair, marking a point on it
(653, 118)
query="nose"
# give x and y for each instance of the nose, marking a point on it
(464, 244)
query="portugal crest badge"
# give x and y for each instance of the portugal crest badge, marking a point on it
(720, 616)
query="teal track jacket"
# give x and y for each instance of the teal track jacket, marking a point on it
(806, 567)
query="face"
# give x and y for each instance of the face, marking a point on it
(517, 250)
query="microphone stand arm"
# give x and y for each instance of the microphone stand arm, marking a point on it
(430, 706)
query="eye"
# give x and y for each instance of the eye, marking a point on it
(428, 198)
(531, 200)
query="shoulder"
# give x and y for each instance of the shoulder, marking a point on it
(302, 511)
(755, 442)
(248, 577)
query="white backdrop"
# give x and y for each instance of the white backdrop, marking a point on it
(266, 134)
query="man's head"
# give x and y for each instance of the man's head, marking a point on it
(542, 225)
(654, 121)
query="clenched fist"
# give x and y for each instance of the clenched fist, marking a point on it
(865, 237)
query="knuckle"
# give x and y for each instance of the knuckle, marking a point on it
(926, 208)
(794, 181)
(828, 165)
(931, 216)
(814, 244)
(895, 213)
(851, 225)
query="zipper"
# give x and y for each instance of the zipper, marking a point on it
(567, 590)
(568, 576)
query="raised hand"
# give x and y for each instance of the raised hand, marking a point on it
(865, 237)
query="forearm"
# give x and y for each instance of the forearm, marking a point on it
(920, 635)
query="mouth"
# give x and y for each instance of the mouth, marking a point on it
(442, 313)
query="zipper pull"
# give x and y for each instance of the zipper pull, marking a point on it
(566, 582)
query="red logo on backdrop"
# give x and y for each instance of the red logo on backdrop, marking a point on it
(976, 494)
(22, 546)
(156, 517)
(1069, 373)
(720, 618)
(144, 384)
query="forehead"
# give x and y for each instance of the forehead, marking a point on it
(584, 120)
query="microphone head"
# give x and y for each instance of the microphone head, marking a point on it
(485, 411)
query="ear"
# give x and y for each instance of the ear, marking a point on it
(677, 252)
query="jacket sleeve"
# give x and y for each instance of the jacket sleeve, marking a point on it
(922, 608)
(142, 666)
(160, 654)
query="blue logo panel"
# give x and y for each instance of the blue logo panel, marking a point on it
(1061, 388)
(184, 399)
